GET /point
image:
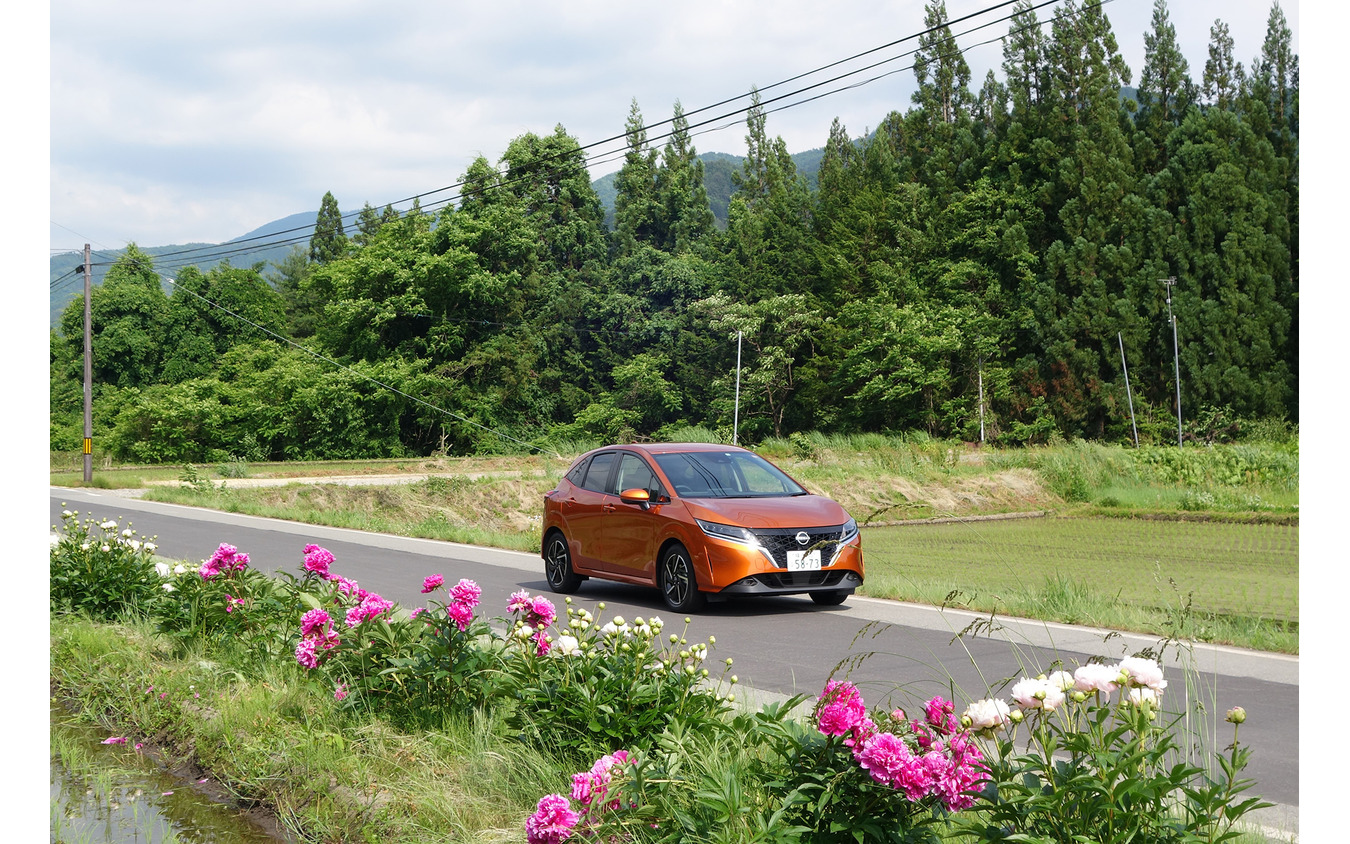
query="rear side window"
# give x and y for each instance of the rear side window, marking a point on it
(578, 472)
(597, 474)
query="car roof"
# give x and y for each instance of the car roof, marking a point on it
(671, 448)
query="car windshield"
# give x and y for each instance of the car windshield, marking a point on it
(725, 474)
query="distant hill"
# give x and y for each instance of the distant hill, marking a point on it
(268, 244)
(717, 170)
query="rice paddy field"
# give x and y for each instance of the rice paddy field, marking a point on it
(1092, 570)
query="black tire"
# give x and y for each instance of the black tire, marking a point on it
(829, 599)
(679, 584)
(558, 565)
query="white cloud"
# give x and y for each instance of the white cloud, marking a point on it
(200, 121)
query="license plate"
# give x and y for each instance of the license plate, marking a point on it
(803, 560)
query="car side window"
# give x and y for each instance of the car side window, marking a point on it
(578, 472)
(634, 473)
(597, 474)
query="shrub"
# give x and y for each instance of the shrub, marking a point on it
(1096, 764)
(586, 688)
(101, 569)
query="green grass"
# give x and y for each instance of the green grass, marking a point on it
(1217, 581)
(279, 740)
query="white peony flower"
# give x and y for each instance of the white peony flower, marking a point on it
(1143, 672)
(988, 714)
(567, 646)
(1061, 680)
(167, 587)
(162, 569)
(179, 569)
(1095, 677)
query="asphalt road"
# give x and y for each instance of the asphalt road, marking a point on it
(899, 654)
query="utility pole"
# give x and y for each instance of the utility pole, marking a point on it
(736, 413)
(1176, 359)
(88, 446)
(979, 365)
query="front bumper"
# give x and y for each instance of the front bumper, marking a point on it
(792, 583)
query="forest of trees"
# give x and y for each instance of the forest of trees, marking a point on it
(1010, 236)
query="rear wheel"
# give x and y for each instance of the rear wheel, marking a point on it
(558, 565)
(679, 586)
(829, 599)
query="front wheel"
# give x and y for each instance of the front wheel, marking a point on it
(829, 599)
(679, 586)
(558, 565)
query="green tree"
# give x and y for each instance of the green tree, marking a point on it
(1224, 77)
(329, 240)
(1165, 88)
(128, 314)
(636, 206)
(684, 215)
(211, 312)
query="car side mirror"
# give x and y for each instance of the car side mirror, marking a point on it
(636, 496)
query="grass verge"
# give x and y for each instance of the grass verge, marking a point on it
(278, 742)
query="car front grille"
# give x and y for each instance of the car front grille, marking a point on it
(776, 542)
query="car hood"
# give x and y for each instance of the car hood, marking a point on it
(787, 512)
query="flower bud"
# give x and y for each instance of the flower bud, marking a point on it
(734, 679)
(1016, 716)
(703, 673)
(1236, 715)
(728, 661)
(600, 606)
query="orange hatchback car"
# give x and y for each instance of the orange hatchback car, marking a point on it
(698, 522)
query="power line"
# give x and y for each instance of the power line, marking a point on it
(304, 232)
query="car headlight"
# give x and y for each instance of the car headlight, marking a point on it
(731, 533)
(849, 531)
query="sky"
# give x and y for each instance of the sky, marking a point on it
(198, 122)
(168, 122)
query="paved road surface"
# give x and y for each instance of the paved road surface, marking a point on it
(781, 646)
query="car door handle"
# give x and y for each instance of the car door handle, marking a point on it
(609, 508)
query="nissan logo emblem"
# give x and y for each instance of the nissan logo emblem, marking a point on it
(803, 537)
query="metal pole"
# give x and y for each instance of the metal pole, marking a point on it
(736, 414)
(88, 445)
(980, 368)
(1128, 395)
(1176, 358)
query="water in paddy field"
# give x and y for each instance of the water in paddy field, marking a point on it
(110, 794)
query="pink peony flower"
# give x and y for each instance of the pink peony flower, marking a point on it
(460, 614)
(231, 602)
(884, 757)
(541, 643)
(340, 692)
(432, 583)
(348, 587)
(115, 740)
(841, 709)
(939, 713)
(541, 609)
(519, 601)
(318, 560)
(466, 592)
(312, 622)
(417, 612)
(552, 822)
(371, 606)
(590, 788)
(305, 654)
